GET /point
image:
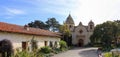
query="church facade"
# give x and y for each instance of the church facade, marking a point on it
(81, 33)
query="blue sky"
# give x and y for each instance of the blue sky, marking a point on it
(24, 11)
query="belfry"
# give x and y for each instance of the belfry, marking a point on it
(81, 33)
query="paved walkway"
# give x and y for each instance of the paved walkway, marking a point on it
(78, 52)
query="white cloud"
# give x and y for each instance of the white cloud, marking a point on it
(97, 10)
(13, 11)
(85, 10)
(81, 10)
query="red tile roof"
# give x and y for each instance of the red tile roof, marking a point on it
(32, 31)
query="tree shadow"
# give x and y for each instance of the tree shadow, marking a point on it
(88, 52)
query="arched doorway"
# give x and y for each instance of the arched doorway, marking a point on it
(80, 42)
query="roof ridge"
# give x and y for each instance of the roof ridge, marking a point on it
(20, 29)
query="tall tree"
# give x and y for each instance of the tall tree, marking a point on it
(64, 30)
(105, 33)
(53, 24)
(66, 34)
(117, 31)
(38, 24)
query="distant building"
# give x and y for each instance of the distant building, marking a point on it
(21, 36)
(81, 33)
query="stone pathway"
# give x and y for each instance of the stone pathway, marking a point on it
(78, 52)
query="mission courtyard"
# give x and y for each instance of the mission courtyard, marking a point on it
(82, 37)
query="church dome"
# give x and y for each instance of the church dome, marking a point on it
(69, 20)
(80, 23)
(91, 22)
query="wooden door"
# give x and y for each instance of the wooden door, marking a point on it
(24, 45)
(80, 42)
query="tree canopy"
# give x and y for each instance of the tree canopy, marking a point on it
(64, 30)
(66, 34)
(51, 24)
(106, 33)
(38, 24)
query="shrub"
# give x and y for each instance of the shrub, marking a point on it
(34, 44)
(107, 55)
(6, 48)
(45, 50)
(22, 54)
(56, 50)
(63, 45)
(106, 49)
(27, 54)
(89, 45)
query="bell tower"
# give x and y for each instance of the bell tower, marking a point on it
(91, 26)
(70, 23)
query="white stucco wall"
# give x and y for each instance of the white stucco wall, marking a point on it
(85, 33)
(17, 39)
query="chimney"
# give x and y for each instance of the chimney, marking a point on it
(26, 27)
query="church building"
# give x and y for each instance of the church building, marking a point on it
(80, 33)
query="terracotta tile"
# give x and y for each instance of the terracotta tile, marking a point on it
(20, 29)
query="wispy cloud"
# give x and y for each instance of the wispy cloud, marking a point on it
(85, 10)
(14, 11)
(81, 10)
(60, 7)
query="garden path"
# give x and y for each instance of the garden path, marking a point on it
(79, 52)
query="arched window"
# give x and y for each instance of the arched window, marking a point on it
(91, 27)
(81, 31)
(70, 26)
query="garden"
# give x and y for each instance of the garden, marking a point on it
(46, 51)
